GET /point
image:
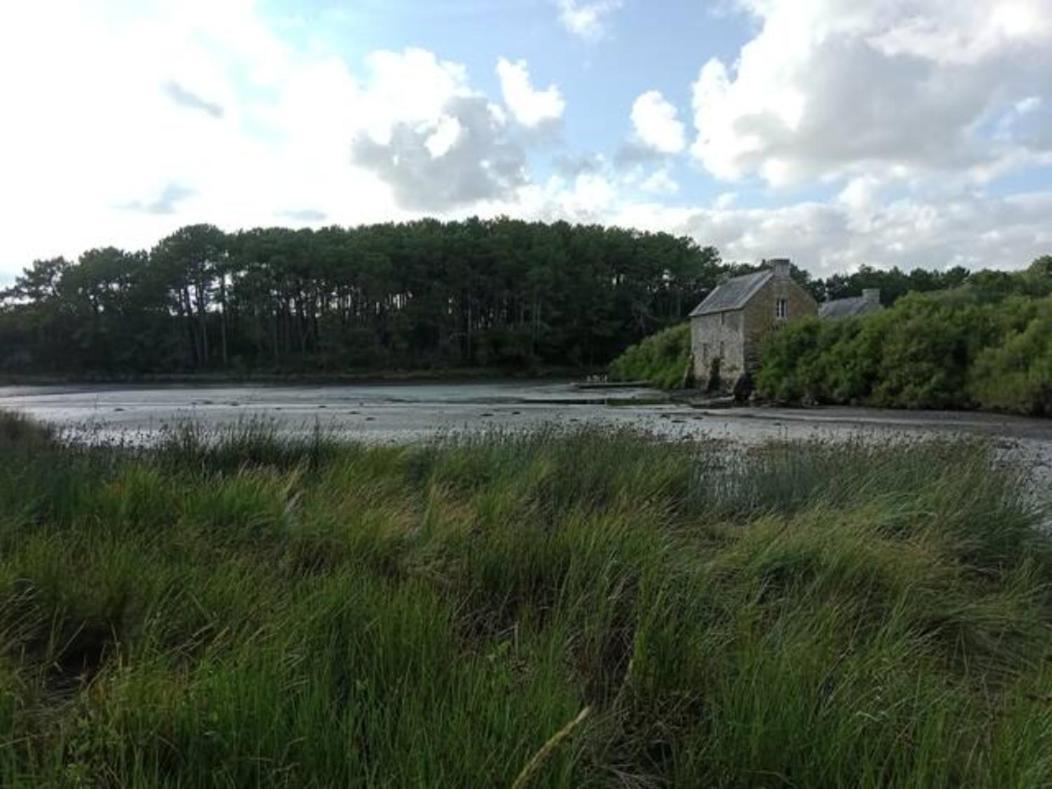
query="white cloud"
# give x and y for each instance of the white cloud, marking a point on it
(659, 182)
(97, 145)
(444, 137)
(586, 18)
(725, 200)
(221, 121)
(437, 142)
(408, 87)
(835, 88)
(905, 116)
(937, 229)
(968, 230)
(656, 125)
(529, 106)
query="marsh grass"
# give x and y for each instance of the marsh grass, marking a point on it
(240, 609)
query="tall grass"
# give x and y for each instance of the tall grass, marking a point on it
(243, 610)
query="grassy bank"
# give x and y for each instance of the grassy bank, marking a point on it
(494, 610)
(662, 360)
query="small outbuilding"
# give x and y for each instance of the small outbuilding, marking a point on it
(736, 317)
(851, 307)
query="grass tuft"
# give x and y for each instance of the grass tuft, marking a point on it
(244, 608)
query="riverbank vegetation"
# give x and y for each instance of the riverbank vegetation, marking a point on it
(245, 610)
(662, 360)
(986, 344)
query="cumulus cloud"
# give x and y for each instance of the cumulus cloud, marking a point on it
(219, 101)
(969, 230)
(479, 163)
(656, 123)
(437, 142)
(282, 140)
(190, 100)
(586, 18)
(633, 153)
(529, 106)
(165, 203)
(305, 215)
(659, 182)
(832, 88)
(902, 109)
(588, 197)
(572, 165)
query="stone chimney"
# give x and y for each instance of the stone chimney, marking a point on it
(871, 295)
(780, 267)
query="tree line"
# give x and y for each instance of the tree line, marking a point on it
(426, 294)
(423, 294)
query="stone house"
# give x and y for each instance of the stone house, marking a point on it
(733, 320)
(868, 302)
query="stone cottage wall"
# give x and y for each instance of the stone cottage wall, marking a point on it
(736, 335)
(710, 333)
(760, 318)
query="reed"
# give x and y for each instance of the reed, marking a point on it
(242, 609)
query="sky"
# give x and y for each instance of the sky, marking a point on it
(834, 132)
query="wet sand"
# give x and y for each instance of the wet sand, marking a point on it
(409, 412)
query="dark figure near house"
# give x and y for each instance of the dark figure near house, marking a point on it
(715, 382)
(743, 388)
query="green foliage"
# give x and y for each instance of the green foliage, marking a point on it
(1016, 374)
(985, 344)
(663, 359)
(501, 293)
(498, 293)
(240, 610)
(893, 283)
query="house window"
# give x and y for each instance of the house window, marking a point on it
(722, 350)
(704, 352)
(781, 308)
(723, 318)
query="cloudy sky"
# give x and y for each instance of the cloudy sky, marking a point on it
(838, 132)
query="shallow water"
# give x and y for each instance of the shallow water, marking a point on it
(411, 411)
(407, 412)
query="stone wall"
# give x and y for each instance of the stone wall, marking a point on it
(736, 335)
(719, 334)
(761, 317)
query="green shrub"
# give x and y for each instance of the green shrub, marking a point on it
(962, 348)
(663, 359)
(1016, 375)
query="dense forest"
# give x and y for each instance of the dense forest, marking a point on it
(420, 295)
(985, 344)
(501, 293)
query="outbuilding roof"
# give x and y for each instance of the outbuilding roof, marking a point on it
(847, 308)
(733, 294)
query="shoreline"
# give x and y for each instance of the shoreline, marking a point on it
(450, 375)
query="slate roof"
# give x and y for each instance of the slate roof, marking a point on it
(733, 294)
(847, 308)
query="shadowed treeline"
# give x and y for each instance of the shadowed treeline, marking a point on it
(499, 293)
(418, 295)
